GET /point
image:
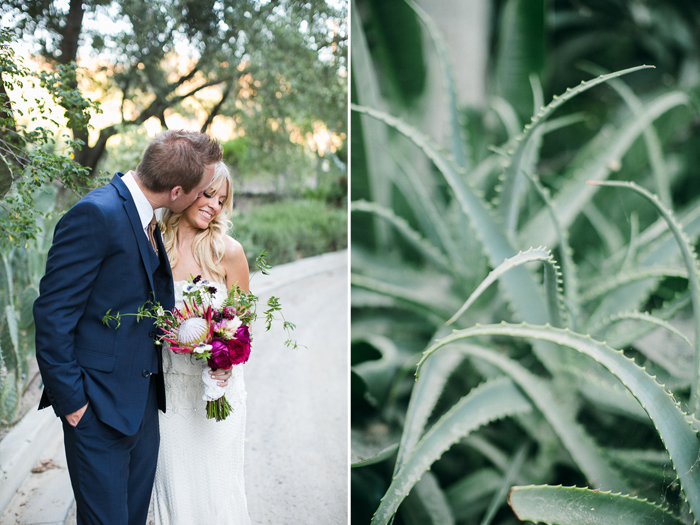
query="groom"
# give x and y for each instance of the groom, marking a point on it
(105, 384)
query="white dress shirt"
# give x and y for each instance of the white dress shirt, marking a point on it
(142, 205)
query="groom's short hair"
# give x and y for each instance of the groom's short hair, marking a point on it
(176, 157)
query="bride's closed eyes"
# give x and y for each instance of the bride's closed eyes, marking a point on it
(208, 196)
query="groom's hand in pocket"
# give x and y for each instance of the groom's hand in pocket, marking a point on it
(75, 417)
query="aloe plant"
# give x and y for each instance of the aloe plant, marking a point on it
(501, 274)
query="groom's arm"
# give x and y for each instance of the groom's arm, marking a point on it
(79, 247)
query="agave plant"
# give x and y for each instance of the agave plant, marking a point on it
(525, 309)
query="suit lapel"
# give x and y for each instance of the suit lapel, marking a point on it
(145, 248)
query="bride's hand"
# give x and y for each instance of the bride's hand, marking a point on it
(222, 375)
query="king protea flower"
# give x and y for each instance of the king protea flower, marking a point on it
(192, 331)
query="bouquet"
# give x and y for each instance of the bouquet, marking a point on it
(219, 335)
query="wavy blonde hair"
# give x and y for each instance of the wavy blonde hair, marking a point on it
(208, 246)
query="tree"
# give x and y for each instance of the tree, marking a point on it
(28, 159)
(275, 65)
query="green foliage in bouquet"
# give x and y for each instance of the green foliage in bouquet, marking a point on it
(569, 391)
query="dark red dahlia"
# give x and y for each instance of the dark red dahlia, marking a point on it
(229, 312)
(238, 351)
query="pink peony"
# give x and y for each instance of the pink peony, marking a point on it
(239, 351)
(220, 355)
(243, 335)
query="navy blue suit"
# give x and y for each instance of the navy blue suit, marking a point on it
(101, 259)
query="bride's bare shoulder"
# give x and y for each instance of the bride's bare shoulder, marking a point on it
(235, 263)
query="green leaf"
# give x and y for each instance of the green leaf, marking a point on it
(424, 247)
(426, 504)
(5, 176)
(551, 277)
(9, 399)
(470, 495)
(489, 402)
(678, 437)
(424, 397)
(594, 165)
(459, 141)
(9, 339)
(691, 264)
(382, 455)
(572, 435)
(26, 316)
(582, 506)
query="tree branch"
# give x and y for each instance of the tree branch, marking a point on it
(215, 111)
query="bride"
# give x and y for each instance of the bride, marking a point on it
(199, 477)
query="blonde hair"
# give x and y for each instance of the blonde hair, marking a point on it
(208, 247)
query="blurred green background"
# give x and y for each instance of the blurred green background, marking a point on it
(453, 169)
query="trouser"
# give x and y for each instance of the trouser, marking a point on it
(112, 474)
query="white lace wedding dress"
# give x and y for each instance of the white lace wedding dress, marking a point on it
(199, 478)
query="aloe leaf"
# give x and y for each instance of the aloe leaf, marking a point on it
(581, 506)
(520, 50)
(507, 207)
(568, 266)
(629, 276)
(574, 195)
(428, 250)
(469, 495)
(648, 318)
(511, 474)
(606, 229)
(424, 396)
(375, 136)
(384, 454)
(489, 402)
(531, 255)
(459, 142)
(420, 196)
(691, 265)
(426, 504)
(631, 254)
(572, 435)
(678, 437)
(508, 117)
(651, 138)
(620, 337)
(409, 296)
(521, 288)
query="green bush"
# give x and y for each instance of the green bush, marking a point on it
(291, 230)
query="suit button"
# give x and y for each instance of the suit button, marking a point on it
(152, 333)
(145, 373)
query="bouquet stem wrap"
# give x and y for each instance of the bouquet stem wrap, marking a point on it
(217, 406)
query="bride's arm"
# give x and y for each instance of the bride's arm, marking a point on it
(235, 264)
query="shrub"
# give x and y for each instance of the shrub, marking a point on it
(290, 230)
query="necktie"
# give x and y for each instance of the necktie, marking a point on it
(151, 234)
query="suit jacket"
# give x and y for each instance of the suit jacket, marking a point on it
(101, 260)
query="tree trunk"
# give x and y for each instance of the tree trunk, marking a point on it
(71, 32)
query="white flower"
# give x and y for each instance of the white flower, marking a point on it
(189, 288)
(192, 331)
(229, 327)
(201, 348)
(160, 312)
